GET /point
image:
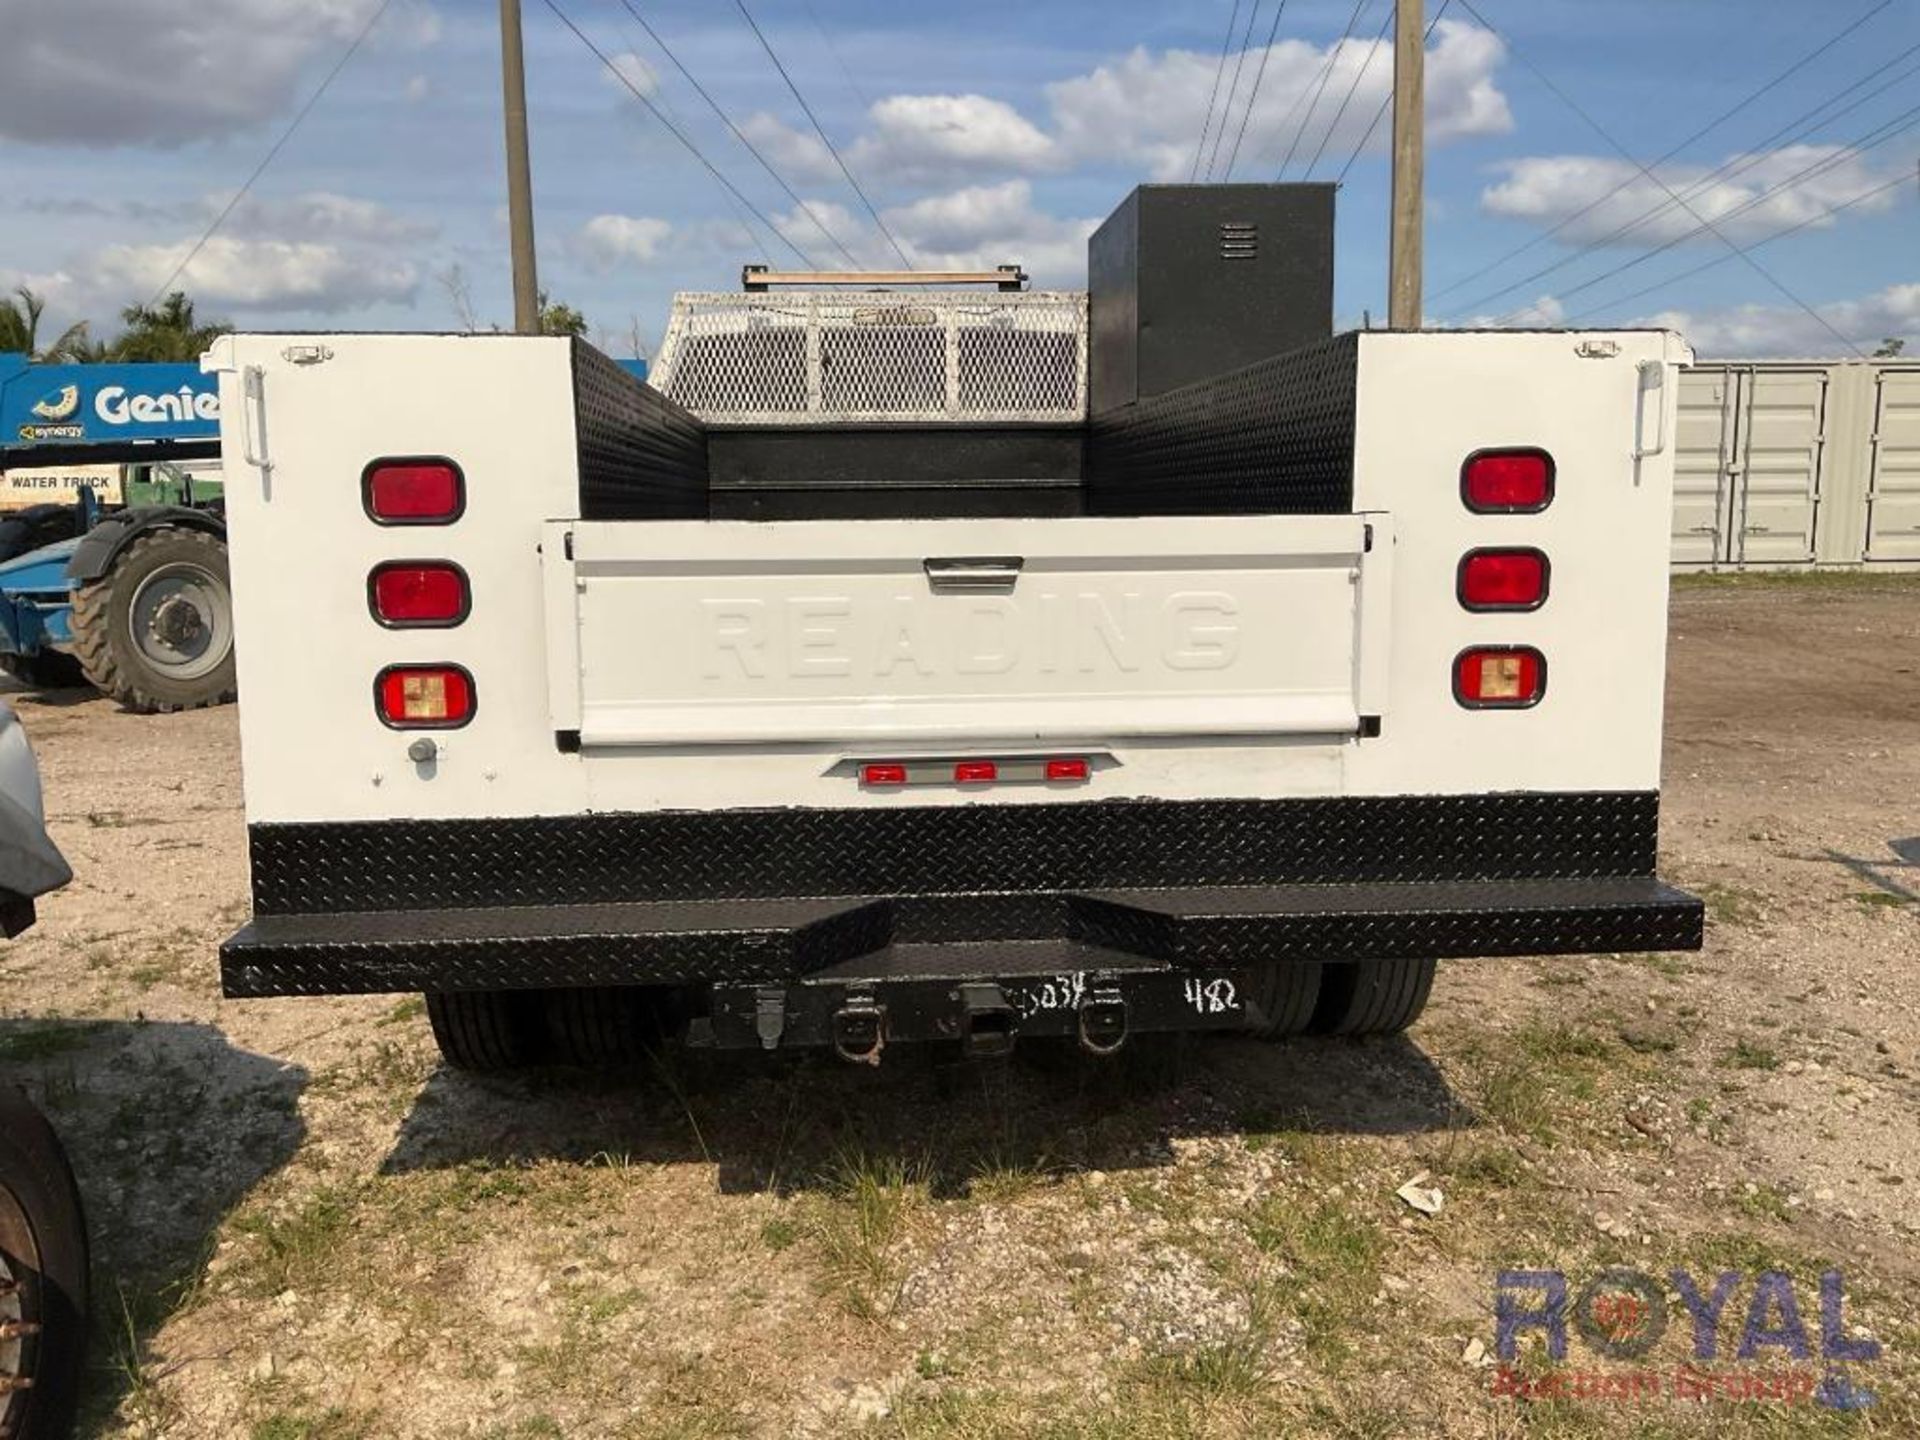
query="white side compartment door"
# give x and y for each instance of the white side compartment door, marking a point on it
(1893, 497)
(937, 631)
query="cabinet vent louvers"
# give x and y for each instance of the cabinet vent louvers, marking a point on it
(1239, 240)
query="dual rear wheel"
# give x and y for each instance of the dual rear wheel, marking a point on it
(506, 1029)
(1353, 997)
(614, 1025)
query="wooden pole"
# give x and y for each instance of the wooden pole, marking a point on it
(513, 80)
(1409, 164)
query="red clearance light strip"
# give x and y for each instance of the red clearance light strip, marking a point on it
(405, 593)
(1508, 677)
(413, 492)
(883, 775)
(975, 772)
(424, 697)
(1069, 769)
(1507, 482)
(1502, 580)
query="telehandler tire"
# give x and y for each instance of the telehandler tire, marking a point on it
(156, 631)
(43, 1276)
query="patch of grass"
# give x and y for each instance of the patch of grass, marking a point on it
(43, 1040)
(1763, 1202)
(1333, 1254)
(411, 1008)
(1003, 1175)
(860, 1223)
(1494, 1166)
(297, 1248)
(334, 1424)
(779, 1233)
(1731, 905)
(1881, 900)
(1748, 1054)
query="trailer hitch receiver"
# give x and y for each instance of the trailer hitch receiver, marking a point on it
(989, 1021)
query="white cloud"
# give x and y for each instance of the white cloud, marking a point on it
(1148, 108)
(257, 275)
(921, 139)
(1785, 330)
(797, 155)
(975, 228)
(419, 87)
(610, 240)
(1550, 189)
(988, 225)
(166, 72)
(634, 71)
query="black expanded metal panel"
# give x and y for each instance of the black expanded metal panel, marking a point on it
(1434, 920)
(947, 850)
(641, 456)
(1275, 438)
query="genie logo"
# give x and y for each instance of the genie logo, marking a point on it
(1622, 1313)
(117, 405)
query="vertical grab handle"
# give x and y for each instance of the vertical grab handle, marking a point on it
(1652, 381)
(253, 418)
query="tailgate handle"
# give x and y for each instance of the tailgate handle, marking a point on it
(973, 575)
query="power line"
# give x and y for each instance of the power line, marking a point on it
(1233, 88)
(1888, 130)
(1326, 74)
(1386, 101)
(1379, 44)
(1701, 133)
(1719, 260)
(751, 148)
(1206, 125)
(272, 151)
(838, 59)
(1266, 52)
(820, 130)
(680, 135)
(1727, 170)
(1600, 130)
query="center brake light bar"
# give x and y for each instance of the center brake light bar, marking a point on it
(975, 771)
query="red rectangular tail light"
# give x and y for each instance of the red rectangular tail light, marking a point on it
(413, 491)
(424, 697)
(408, 594)
(975, 772)
(1515, 481)
(1068, 768)
(883, 775)
(1503, 580)
(1508, 677)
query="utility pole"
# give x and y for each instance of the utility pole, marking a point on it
(513, 82)
(1409, 164)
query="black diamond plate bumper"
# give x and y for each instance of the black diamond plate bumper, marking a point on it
(816, 954)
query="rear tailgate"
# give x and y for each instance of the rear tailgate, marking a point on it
(670, 632)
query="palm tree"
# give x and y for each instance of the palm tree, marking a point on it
(167, 331)
(20, 329)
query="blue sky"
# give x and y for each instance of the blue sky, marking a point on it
(984, 133)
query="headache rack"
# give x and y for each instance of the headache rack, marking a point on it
(836, 358)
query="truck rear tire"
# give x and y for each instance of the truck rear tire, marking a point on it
(485, 1030)
(156, 631)
(43, 1249)
(1285, 999)
(1372, 997)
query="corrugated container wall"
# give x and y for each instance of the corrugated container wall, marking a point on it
(1785, 464)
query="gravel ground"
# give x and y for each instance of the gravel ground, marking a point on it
(305, 1227)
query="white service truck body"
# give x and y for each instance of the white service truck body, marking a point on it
(1230, 743)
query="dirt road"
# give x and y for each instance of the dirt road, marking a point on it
(306, 1228)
